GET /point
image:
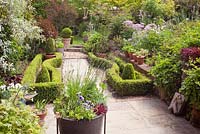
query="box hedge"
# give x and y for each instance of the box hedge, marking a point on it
(128, 72)
(47, 90)
(52, 65)
(49, 79)
(44, 75)
(32, 71)
(99, 62)
(140, 86)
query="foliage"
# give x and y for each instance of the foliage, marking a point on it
(18, 119)
(97, 43)
(167, 73)
(139, 86)
(40, 106)
(152, 41)
(39, 6)
(99, 62)
(47, 90)
(61, 14)
(128, 72)
(49, 30)
(157, 10)
(30, 75)
(190, 53)
(79, 98)
(127, 33)
(120, 63)
(66, 33)
(43, 76)
(52, 65)
(116, 25)
(187, 9)
(128, 47)
(191, 85)
(59, 44)
(17, 29)
(50, 46)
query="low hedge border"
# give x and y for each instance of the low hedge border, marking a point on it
(32, 71)
(140, 86)
(99, 62)
(52, 65)
(47, 91)
(52, 87)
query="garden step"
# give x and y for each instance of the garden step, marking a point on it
(74, 55)
(77, 46)
(74, 49)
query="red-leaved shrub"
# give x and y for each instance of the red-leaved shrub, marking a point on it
(49, 29)
(190, 53)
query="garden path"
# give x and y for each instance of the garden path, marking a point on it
(130, 115)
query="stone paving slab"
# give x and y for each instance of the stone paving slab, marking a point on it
(74, 55)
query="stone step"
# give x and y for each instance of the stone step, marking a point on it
(74, 49)
(77, 46)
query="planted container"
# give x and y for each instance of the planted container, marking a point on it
(66, 35)
(80, 109)
(70, 126)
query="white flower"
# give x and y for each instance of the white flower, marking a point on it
(3, 87)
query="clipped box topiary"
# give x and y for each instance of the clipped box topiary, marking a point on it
(128, 72)
(50, 48)
(66, 34)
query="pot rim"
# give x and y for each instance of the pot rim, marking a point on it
(96, 117)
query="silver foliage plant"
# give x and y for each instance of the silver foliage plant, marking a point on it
(18, 15)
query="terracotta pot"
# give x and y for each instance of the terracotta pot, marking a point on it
(49, 56)
(42, 115)
(126, 54)
(70, 126)
(134, 57)
(66, 42)
(130, 55)
(140, 60)
(195, 118)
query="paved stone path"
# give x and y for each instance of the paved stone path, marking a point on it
(131, 115)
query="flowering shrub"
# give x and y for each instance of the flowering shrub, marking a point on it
(190, 53)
